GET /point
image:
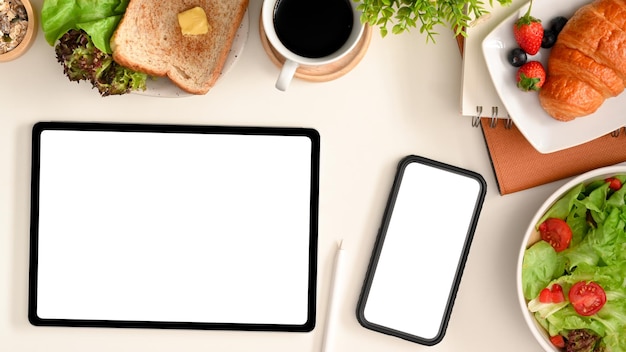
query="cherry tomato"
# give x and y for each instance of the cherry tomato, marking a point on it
(587, 298)
(614, 183)
(558, 341)
(556, 232)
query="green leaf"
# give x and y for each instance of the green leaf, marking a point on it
(59, 16)
(397, 29)
(539, 267)
(404, 11)
(387, 12)
(563, 206)
(427, 14)
(410, 22)
(101, 31)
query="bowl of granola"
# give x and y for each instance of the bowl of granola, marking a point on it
(18, 28)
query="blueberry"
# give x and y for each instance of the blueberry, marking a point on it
(549, 38)
(517, 57)
(557, 24)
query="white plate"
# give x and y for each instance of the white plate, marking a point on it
(163, 87)
(542, 131)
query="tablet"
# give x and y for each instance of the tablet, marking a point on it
(174, 226)
(421, 250)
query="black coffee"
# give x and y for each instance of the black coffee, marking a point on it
(313, 28)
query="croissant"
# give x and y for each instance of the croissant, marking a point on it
(587, 64)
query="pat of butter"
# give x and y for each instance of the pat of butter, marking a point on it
(193, 21)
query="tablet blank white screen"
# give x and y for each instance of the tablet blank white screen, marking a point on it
(174, 227)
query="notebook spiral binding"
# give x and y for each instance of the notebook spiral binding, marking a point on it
(508, 122)
(618, 132)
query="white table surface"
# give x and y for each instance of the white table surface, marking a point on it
(403, 98)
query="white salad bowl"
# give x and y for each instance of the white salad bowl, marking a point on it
(532, 236)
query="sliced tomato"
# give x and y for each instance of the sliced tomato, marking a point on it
(614, 183)
(553, 294)
(556, 293)
(587, 297)
(556, 232)
(545, 296)
(558, 341)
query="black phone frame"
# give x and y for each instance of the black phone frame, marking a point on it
(380, 241)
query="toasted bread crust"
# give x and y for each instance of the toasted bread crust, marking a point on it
(149, 39)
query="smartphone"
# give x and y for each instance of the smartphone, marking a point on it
(421, 249)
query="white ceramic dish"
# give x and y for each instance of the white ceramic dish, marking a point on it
(163, 87)
(531, 237)
(542, 131)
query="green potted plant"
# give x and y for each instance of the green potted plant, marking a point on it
(402, 15)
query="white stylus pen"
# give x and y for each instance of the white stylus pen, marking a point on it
(335, 292)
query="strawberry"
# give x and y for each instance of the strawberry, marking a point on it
(531, 76)
(528, 32)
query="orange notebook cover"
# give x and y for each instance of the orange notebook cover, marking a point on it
(519, 166)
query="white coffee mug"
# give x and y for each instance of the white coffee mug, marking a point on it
(294, 60)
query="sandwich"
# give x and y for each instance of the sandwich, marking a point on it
(118, 45)
(150, 39)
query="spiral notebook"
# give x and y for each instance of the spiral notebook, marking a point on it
(479, 98)
(516, 164)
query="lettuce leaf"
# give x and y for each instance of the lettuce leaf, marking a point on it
(563, 206)
(98, 18)
(539, 266)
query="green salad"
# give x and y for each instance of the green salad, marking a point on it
(80, 31)
(574, 278)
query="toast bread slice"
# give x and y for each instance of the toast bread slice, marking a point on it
(149, 39)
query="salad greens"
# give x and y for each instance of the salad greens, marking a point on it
(98, 18)
(596, 215)
(80, 31)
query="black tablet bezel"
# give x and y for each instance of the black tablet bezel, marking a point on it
(309, 133)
